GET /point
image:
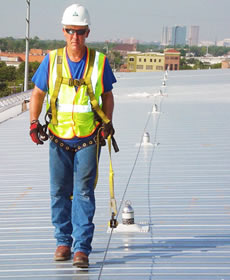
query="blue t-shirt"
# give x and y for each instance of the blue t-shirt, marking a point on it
(41, 77)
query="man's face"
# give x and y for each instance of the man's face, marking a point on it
(75, 36)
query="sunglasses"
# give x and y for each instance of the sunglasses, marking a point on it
(79, 32)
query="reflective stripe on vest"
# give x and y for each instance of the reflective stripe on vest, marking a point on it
(73, 107)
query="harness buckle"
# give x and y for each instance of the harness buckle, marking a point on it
(76, 82)
(71, 82)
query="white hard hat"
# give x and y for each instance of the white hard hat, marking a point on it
(76, 14)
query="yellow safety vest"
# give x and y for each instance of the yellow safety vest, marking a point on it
(74, 115)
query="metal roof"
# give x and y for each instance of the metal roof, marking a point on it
(179, 185)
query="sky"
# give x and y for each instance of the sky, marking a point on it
(120, 19)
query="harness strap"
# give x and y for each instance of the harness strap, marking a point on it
(88, 82)
(57, 86)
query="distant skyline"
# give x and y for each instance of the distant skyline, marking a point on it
(120, 19)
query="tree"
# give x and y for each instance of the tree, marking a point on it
(182, 52)
(2, 64)
(184, 65)
(11, 73)
(3, 72)
(4, 91)
(33, 66)
(21, 71)
(216, 66)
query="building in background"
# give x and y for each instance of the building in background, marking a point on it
(225, 63)
(166, 38)
(178, 35)
(123, 49)
(10, 60)
(15, 59)
(131, 41)
(152, 61)
(193, 35)
(145, 62)
(224, 43)
(172, 59)
(206, 43)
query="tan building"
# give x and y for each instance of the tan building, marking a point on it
(145, 62)
(152, 61)
(172, 59)
(225, 64)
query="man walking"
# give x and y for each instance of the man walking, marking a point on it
(64, 76)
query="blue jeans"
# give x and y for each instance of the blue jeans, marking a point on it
(73, 173)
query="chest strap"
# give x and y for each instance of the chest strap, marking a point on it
(57, 86)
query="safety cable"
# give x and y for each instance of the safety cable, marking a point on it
(149, 172)
(125, 191)
(122, 200)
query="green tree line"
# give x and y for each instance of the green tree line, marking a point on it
(194, 64)
(10, 44)
(12, 79)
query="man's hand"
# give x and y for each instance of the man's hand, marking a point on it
(107, 129)
(37, 133)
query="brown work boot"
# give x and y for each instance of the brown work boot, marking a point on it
(81, 260)
(62, 253)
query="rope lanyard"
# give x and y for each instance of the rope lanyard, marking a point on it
(113, 204)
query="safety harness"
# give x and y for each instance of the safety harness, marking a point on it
(52, 114)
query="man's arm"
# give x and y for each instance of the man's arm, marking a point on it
(108, 104)
(36, 130)
(36, 102)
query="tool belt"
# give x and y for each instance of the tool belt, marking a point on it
(66, 147)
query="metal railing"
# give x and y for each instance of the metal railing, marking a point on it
(14, 99)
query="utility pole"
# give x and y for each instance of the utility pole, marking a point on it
(27, 46)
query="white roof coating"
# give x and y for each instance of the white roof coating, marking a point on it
(179, 186)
